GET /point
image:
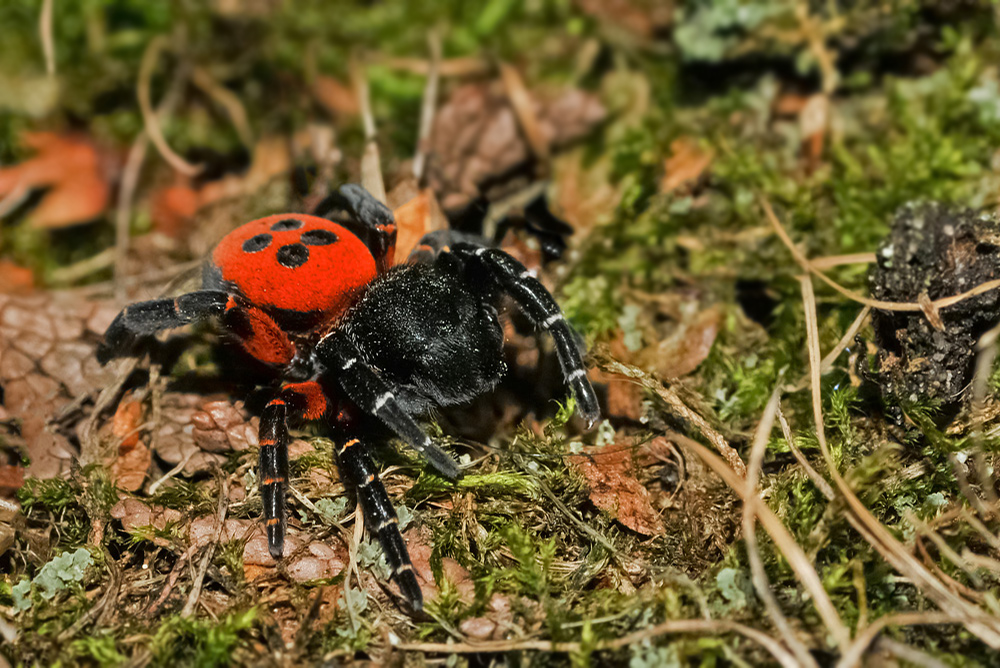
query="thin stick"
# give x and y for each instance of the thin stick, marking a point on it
(226, 99)
(672, 399)
(799, 562)
(758, 574)
(852, 655)
(984, 626)
(428, 106)
(371, 163)
(854, 296)
(123, 212)
(814, 475)
(220, 519)
(665, 628)
(831, 261)
(45, 33)
(152, 123)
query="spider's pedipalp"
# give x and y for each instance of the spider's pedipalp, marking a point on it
(365, 387)
(542, 309)
(360, 471)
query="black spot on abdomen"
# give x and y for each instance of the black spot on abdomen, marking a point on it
(286, 225)
(257, 243)
(318, 238)
(293, 255)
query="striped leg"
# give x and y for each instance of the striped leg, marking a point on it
(273, 472)
(364, 387)
(299, 399)
(358, 468)
(538, 304)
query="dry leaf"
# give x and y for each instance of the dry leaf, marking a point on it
(414, 219)
(477, 137)
(336, 97)
(11, 479)
(418, 543)
(682, 352)
(130, 467)
(15, 279)
(686, 164)
(814, 122)
(643, 18)
(134, 514)
(614, 488)
(125, 423)
(74, 170)
(585, 193)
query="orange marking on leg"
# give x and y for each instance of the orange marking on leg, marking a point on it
(271, 522)
(267, 442)
(273, 481)
(351, 442)
(276, 402)
(371, 478)
(311, 394)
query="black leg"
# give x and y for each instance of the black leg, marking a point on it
(539, 305)
(439, 241)
(146, 318)
(358, 468)
(302, 400)
(374, 220)
(372, 394)
(273, 472)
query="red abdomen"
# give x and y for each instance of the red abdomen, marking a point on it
(295, 263)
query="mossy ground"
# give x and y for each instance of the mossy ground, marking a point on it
(914, 114)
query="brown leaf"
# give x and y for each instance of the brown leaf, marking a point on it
(173, 208)
(125, 423)
(586, 195)
(414, 219)
(11, 479)
(75, 171)
(682, 353)
(133, 514)
(642, 18)
(687, 162)
(336, 97)
(477, 136)
(614, 488)
(418, 543)
(129, 468)
(814, 123)
(15, 279)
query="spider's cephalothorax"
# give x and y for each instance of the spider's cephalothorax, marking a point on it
(356, 341)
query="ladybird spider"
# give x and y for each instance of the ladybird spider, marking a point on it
(357, 342)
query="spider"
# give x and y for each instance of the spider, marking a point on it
(358, 343)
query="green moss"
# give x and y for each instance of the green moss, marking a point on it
(188, 641)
